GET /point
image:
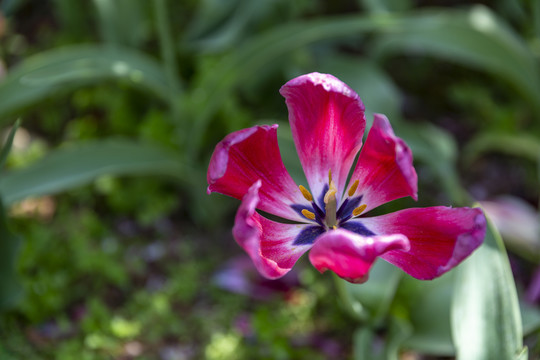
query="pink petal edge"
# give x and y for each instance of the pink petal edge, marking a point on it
(246, 156)
(327, 122)
(440, 237)
(350, 255)
(269, 244)
(385, 167)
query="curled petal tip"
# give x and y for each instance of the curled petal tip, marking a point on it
(467, 242)
(350, 255)
(328, 82)
(327, 122)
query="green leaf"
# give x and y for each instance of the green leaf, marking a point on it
(383, 6)
(249, 59)
(9, 142)
(376, 89)
(530, 316)
(428, 307)
(72, 166)
(130, 29)
(475, 38)
(371, 301)
(436, 148)
(218, 24)
(42, 75)
(524, 355)
(486, 321)
(10, 289)
(363, 344)
(523, 145)
(398, 332)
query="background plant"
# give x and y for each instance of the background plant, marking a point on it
(121, 103)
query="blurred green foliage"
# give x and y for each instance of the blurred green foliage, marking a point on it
(121, 103)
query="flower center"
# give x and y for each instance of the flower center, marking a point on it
(330, 205)
(332, 217)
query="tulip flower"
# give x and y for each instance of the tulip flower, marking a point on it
(331, 220)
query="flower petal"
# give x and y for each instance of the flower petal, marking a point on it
(274, 247)
(440, 237)
(252, 154)
(350, 255)
(327, 123)
(385, 167)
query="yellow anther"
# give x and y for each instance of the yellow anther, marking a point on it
(359, 210)
(334, 227)
(308, 214)
(353, 188)
(306, 193)
(329, 176)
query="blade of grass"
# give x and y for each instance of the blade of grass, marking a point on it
(480, 41)
(57, 71)
(72, 166)
(476, 38)
(10, 288)
(9, 142)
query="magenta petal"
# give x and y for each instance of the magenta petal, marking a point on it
(440, 237)
(385, 167)
(350, 255)
(327, 122)
(268, 243)
(249, 155)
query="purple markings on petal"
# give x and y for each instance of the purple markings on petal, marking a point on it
(308, 235)
(357, 227)
(345, 210)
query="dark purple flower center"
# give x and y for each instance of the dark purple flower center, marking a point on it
(327, 216)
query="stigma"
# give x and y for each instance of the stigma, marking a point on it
(330, 203)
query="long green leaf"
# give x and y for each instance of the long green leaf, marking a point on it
(486, 320)
(376, 89)
(76, 165)
(437, 148)
(371, 301)
(428, 304)
(9, 142)
(475, 38)
(10, 289)
(47, 73)
(523, 145)
(249, 59)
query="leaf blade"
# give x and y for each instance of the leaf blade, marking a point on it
(48, 72)
(73, 166)
(486, 320)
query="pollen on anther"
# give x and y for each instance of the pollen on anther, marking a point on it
(359, 210)
(308, 214)
(353, 188)
(306, 193)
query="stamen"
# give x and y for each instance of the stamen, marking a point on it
(330, 193)
(308, 214)
(359, 210)
(329, 176)
(331, 205)
(306, 193)
(353, 188)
